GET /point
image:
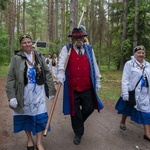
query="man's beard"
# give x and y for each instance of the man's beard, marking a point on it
(78, 44)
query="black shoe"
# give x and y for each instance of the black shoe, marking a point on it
(77, 140)
(123, 127)
(146, 138)
(30, 147)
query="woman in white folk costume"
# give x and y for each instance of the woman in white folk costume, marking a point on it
(136, 69)
(27, 75)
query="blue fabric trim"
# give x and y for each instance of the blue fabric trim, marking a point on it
(66, 102)
(122, 107)
(88, 52)
(34, 124)
(32, 77)
(88, 49)
(128, 110)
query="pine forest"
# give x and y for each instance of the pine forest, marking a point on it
(114, 27)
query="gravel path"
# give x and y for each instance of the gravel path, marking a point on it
(102, 130)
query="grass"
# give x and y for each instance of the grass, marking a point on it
(3, 71)
(110, 83)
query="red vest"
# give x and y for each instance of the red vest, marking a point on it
(79, 72)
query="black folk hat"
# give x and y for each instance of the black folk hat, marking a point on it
(77, 32)
(25, 36)
(139, 47)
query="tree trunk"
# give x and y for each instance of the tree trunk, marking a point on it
(109, 39)
(76, 16)
(18, 22)
(124, 34)
(72, 16)
(87, 18)
(7, 17)
(91, 27)
(62, 31)
(51, 28)
(1, 17)
(52, 19)
(56, 18)
(100, 28)
(12, 6)
(24, 9)
(135, 38)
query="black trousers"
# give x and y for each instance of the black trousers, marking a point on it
(84, 106)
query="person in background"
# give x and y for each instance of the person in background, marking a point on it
(54, 67)
(27, 75)
(44, 55)
(82, 82)
(48, 61)
(136, 69)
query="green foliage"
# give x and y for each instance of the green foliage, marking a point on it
(144, 25)
(127, 46)
(106, 35)
(4, 46)
(3, 4)
(143, 34)
(3, 70)
(111, 85)
(36, 18)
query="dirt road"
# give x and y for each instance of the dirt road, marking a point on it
(102, 130)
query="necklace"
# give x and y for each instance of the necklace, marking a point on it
(140, 65)
(32, 61)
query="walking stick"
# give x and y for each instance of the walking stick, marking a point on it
(35, 44)
(59, 85)
(83, 11)
(56, 98)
